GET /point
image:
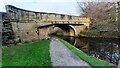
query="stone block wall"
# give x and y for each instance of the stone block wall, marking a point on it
(25, 31)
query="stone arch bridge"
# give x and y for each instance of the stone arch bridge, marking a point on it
(24, 25)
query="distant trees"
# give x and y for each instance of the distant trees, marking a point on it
(99, 12)
(104, 17)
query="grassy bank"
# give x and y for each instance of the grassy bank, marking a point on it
(94, 62)
(28, 54)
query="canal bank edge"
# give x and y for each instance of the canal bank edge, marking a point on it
(94, 62)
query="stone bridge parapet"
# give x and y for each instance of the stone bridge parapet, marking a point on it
(24, 23)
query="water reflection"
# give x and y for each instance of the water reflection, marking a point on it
(105, 49)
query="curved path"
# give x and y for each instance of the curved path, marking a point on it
(62, 56)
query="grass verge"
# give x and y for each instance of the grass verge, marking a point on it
(94, 62)
(28, 54)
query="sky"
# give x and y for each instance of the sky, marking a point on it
(69, 7)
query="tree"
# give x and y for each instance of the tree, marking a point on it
(99, 12)
(104, 18)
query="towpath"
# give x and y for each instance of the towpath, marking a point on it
(62, 56)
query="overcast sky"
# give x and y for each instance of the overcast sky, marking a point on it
(53, 6)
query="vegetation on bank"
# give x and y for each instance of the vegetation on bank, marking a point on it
(94, 62)
(104, 19)
(28, 54)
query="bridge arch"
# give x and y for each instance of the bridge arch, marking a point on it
(73, 29)
(68, 28)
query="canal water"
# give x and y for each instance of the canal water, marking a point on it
(104, 49)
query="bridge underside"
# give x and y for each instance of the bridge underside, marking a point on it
(69, 29)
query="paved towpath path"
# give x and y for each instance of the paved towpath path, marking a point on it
(62, 56)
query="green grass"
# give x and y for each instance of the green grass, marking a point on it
(94, 62)
(28, 54)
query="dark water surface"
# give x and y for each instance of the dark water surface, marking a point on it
(105, 49)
